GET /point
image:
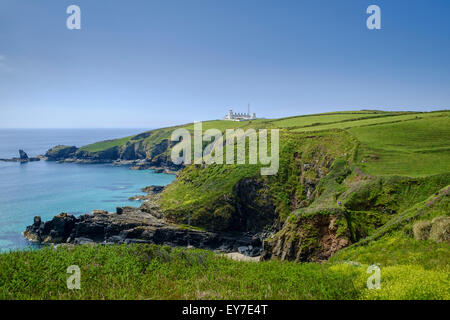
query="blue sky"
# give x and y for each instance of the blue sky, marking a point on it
(147, 64)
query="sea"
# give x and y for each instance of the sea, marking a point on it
(46, 188)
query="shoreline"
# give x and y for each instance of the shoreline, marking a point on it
(23, 243)
(143, 224)
(140, 164)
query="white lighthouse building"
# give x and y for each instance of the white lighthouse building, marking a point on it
(240, 116)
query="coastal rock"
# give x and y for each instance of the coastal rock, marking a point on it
(312, 238)
(137, 225)
(158, 167)
(250, 251)
(34, 231)
(99, 212)
(254, 209)
(56, 230)
(83, 241)
(23, 155)
(134, 152)
(153, 189)
(104, 156)
(61, 152)
(150, 204)
(161, 147)
(153, 193)
(132, 226)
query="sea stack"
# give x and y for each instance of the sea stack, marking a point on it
(23, 155)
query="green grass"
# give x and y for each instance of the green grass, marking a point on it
(105, 145)
(152, 272)
(410, 282)
(392, 194)
(222, 125)
(410, 269)
(311, 121)
(356, 123)
(436, 204)
(398, 249)
(401, 282)
(412, 148)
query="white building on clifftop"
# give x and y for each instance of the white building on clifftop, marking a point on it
(240, 116)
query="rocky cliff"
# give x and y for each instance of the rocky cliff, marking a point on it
(319, 202)
(134, 152)
(310, 238)
(136, 225)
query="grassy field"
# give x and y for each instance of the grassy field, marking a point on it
(413, 148)
(327, 118)
(151, 272)
(390, 118)
(141, 272)
(107, 144)
(391, 143)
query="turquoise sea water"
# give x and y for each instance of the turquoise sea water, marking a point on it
(48, 188)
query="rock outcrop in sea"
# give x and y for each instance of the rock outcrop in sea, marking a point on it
(136, 225)
(23, 157)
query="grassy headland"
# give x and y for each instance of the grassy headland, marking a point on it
(360, 188)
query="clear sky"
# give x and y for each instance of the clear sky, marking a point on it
(153, 63)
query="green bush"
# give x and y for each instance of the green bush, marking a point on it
(421, 230)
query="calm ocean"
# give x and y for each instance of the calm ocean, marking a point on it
(48, 188)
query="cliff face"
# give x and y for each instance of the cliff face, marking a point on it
(247, 208)
(312, 238)
(136, 150)
(129, 151)
(238, 199)
(253, 206)
(319, 202)
(61, 152)
(315, 233)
